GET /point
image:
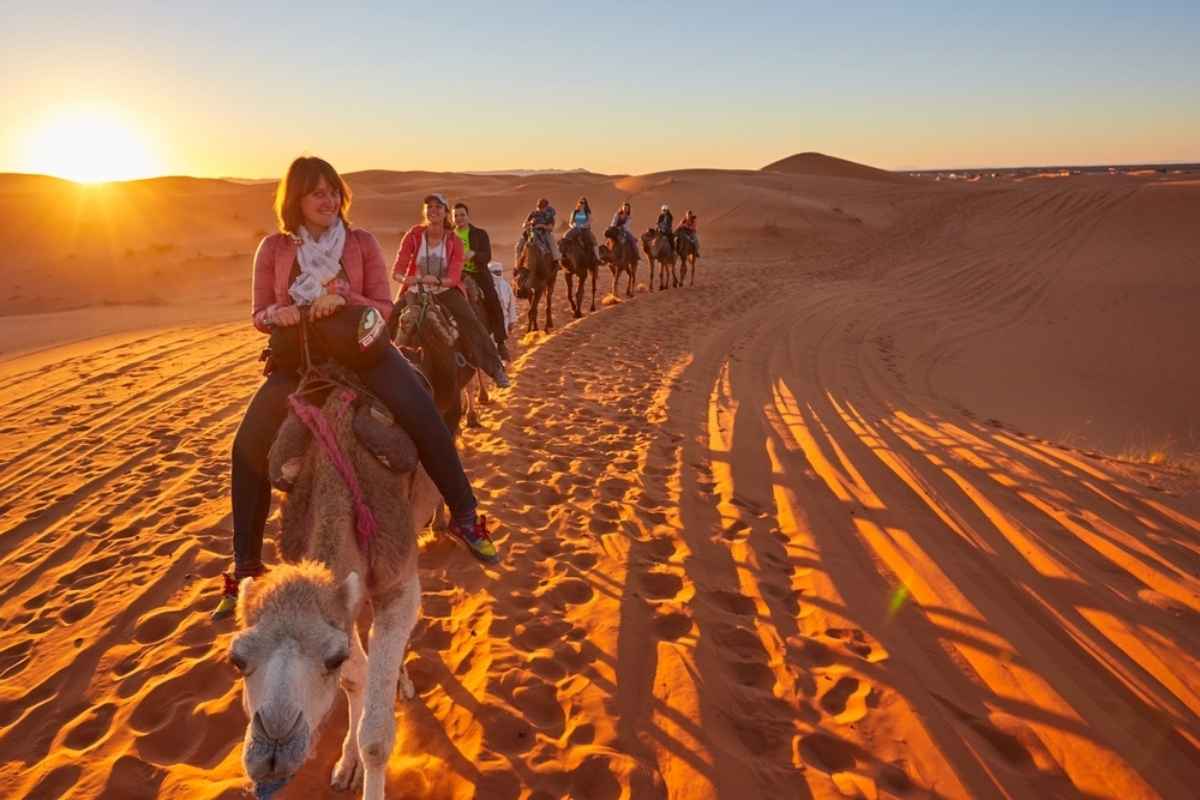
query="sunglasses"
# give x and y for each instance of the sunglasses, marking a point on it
(434, 201)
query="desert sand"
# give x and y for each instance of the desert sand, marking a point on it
(898, 501)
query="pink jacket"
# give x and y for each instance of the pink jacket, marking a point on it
(410, 245)
(362, 261)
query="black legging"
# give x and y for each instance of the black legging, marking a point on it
(491, 303)
(477, 343)
(394, 381)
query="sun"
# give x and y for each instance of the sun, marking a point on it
(90, 145)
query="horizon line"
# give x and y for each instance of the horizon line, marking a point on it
(530, 173)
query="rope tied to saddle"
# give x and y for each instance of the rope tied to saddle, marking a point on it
(365, 526)
(344, 392)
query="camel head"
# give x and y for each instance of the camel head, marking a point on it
(296, 625)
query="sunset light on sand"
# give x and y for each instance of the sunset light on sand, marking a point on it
(707, 401)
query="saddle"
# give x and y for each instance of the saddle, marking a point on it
(540, 239)
(373, 425)
(424, 316)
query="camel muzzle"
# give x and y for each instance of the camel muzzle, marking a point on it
(275, 750)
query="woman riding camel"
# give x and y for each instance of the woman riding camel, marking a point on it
(431, 258)
(317, 264)
(623, 219)
(581, 223)
(687, 227)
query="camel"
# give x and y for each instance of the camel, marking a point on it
(686, 248)
(579, 261)
(298, 639)
(536, 275)
(657, 247)
(621, 257)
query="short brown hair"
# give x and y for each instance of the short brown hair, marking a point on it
(302, 177)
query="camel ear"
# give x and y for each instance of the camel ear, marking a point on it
(350, 594)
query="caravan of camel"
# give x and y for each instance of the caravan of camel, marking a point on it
(359, 488)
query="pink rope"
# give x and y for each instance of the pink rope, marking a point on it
(364, 521)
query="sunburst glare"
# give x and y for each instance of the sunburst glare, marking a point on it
(90, 145)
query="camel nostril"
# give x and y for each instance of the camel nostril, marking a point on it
(296, 723)
(275, 732)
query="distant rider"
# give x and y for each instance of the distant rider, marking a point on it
(687, 227)
(666, 223)
(623, 219)
(540, 222)
(581, 223)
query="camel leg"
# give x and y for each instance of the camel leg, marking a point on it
(550, 304)
(385, 667)
(484, 398)
(693, 270)
(570, 293)
(472, 414)
(347, 773)
(533, 304)
(595, 275)
(651, 265)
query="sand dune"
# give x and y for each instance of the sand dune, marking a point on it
(832, 167)
(813, 528)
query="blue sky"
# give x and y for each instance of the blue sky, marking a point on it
(236, 89)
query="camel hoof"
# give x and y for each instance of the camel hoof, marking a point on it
(347, 773)
(407, 690)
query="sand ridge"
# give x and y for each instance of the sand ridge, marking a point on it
(753, 547)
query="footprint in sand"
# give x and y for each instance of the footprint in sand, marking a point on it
(753, 674)
(132, 777)
(663, 548)
(734, 602)
(859, 643)
(544, 664)
(672, 626)
(661, 585)
(503, 731)
(594, 779)
(76, 612)
(89, 727)
(89, 573)
(571, 590)
(582, 561)
(847, 700)
(57, 782)
(539, 703)
(157, 627)
(827, 752)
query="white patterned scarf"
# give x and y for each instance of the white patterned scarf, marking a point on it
(320, 262)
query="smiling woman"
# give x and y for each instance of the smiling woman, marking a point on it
(89, 146)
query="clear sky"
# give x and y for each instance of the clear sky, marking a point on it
(238, 89)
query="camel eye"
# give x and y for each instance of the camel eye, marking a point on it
(334, 662)
(238, 662)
